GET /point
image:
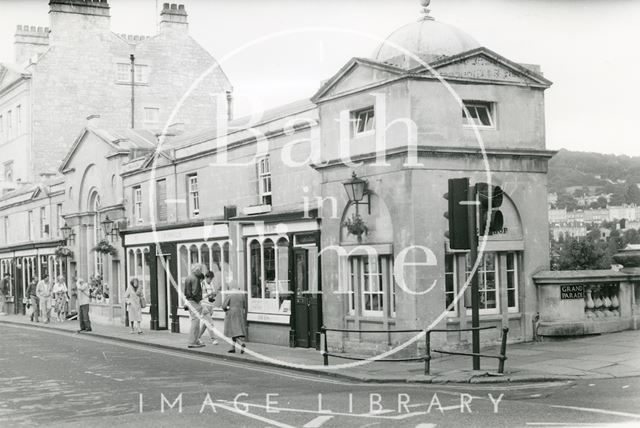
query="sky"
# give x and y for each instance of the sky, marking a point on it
(278, 51)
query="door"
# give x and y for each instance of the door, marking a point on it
(163, 291)
(306, 301)
(301, 287)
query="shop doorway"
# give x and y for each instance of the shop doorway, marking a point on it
(163, 291)
(307, 305)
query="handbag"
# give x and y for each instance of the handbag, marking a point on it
(143, 302)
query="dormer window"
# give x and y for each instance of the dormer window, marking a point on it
(480, 114)
(363, 120)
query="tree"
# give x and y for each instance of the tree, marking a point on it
(632, 194)
(584, 254)
(617, 199)
(567, 201)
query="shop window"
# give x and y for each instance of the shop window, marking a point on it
(491, 269)
(363, 120)
(214, 256)
(139, 267)
(371, 279)
(268, 270)
(5, 268)
(480, 114)
(512, 282)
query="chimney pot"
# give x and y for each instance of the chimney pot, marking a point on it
(180, 7)
(174, 6)
(33, 29)
(19, 28)
(165, 6)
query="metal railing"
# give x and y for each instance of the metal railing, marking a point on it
(426, 358)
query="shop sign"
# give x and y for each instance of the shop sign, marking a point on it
(571, 292)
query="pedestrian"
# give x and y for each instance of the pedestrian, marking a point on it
(133, 300)
(83, 305)
(32, 293)
(43, 290)
(235, 320)
(193, 294)
(5, 283)
(61, 298)
(208, 298)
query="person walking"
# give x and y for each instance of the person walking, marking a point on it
(235, 320)
(60, 298)
(209, 296)
(193, 294)
(33, 300)
(5, 283)
(43, 290)
(83, 305)
(133, 300)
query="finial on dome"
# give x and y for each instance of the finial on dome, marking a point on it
(424, 11)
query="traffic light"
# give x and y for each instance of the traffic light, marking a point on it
(490, 200)
(458, 214)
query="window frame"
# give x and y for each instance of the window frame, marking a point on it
(264, 180)
(355, 117)
(383, 291)
(516, 280)
(155, 109)
(30, 225)
(473, 106)
(43, 220)
(8, 167)
(193, 197)
(453, 274)
(137, 204)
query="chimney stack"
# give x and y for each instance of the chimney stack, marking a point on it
(173, 17)
(74, 19)
(29, 41)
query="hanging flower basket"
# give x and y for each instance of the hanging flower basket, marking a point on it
(104, 247)
(356, 225)
(63, 252)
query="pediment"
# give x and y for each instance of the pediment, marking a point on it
(358, 73)
(485, 65)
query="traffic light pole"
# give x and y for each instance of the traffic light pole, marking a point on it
(475, 294)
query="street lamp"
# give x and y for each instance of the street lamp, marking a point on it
(356, 189)
(67, 233)
(108, 227)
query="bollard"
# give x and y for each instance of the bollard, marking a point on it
(325, 355)
(503, 350)
(427, 352)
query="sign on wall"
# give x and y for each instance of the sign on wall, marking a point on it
(571, 292)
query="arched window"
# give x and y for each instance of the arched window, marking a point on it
(94, 206)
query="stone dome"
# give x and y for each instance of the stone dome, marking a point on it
(427, 39)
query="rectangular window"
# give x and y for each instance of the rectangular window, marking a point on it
(123, 73)
(161, 200)
(363, 120)
(264, 180)
(480, 113)
(491, 269)
(1, 127)
(30, 225)
(9, 125)
(450, 287)
(43, 222)
(59, 219)
(268, 274)
(151, 115)
(8, 171)
(137, 204)
(18, 119)
(371, 278)
(194, 195)
(512, 282)
(6, 229)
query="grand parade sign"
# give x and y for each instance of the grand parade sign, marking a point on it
(572, 292)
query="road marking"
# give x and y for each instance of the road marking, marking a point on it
(535, 395)
(602, 411)
(317, 422)
(625, 387)
(271, 422)
(570, 424)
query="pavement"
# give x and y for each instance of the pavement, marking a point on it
(613, 355)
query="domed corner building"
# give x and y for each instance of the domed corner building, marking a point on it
(429, 105)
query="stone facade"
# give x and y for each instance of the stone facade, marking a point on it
(85, 70)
